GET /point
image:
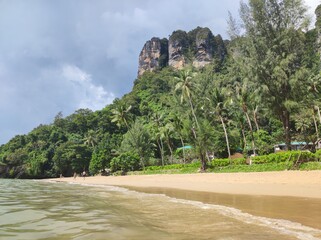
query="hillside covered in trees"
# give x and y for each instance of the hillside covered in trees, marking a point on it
(265, 90)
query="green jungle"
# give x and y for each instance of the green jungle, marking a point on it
(266, 90)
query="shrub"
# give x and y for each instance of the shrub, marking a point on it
(281, 157)
(311, 166)
(174, 166)
(125, 162)
(318, 155)
(254, 168)
(226, 162)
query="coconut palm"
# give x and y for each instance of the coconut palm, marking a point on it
(178, 126)
(120, 115)
(218, 102)
(166, 133)
(157, 123)
(90, 138)
(186, 85)
(244, 98)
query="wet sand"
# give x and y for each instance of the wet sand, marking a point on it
(289, 195)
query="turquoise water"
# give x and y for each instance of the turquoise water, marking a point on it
(43, 210)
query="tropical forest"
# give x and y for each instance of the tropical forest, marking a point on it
(203, 104)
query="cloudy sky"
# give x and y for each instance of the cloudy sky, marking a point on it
(62, 55)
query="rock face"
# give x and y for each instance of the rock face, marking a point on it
(204, 47)
(148, 58)
(153, 55)
(198, 48)
(178, 45)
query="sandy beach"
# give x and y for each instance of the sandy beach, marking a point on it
(286, 183)
(290, 195)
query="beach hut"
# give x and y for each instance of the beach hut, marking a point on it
(294, 146)
(185, 147)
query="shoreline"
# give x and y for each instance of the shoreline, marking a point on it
(306, 184)
(288, 195)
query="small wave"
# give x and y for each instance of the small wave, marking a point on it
(282, 226)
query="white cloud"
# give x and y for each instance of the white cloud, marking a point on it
(87, 93)
(63, 55)
(312, 5)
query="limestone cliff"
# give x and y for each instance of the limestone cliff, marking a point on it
(177, 48)
(153, 55)
(198, 47)
(204, 48)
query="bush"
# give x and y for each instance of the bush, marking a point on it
(281, 157)
(226, 162)
(173, 166)
(125, 162)
(311, 166)
(254, 168)
(318, 155)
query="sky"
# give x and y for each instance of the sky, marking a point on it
(63, 55)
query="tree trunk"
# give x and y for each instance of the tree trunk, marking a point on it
(316, 126)
(184, 159)
(255, 119)
(192, 108)
(286, 127)
(160, 146)
(319, 114)
(226, 138)
(251, 129)
(244, 139)
(170, 149)
(203, 161)
(142, 161)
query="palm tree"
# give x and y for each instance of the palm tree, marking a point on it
(255, 113)
(240, 123)
(166, 132)
(120, 115)
(90, 138)
(178, 126)
(244, 98)
(186, 86)
(218, 103)
(156, 125)
(315, 123)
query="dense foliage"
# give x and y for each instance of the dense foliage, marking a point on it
(264, 91)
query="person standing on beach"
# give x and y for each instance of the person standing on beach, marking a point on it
(84, 174)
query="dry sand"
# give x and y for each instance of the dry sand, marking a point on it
(290, 195)
(286, 183)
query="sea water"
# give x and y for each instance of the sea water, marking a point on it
(45, 210)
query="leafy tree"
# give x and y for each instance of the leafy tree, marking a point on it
(274, 50)
(138, 140)
(104, 152)
(71, 157)
(125, 162)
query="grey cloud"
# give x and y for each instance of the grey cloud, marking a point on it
(100, 39)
